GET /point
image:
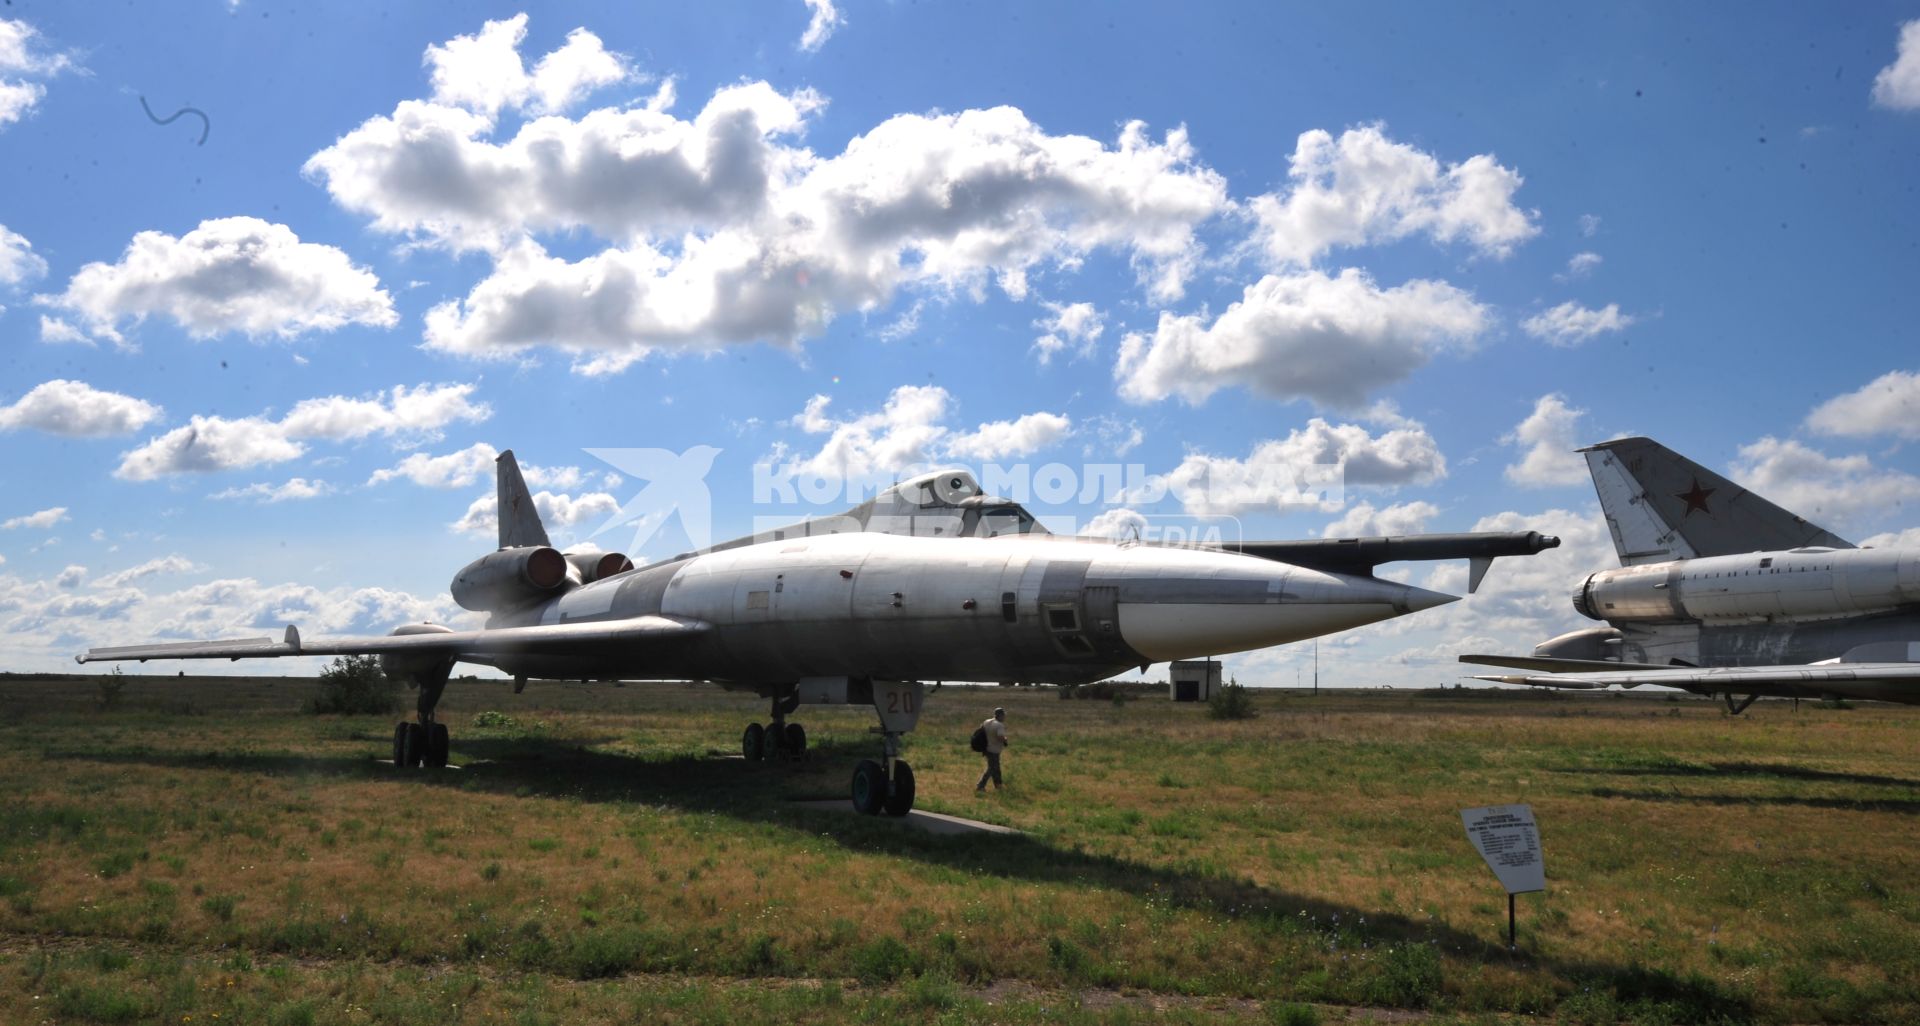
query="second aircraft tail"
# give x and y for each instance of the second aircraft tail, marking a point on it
(1660, 506)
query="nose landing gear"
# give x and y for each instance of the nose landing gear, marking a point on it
(887, 786)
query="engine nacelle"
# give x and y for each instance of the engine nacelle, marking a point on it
(408, 667)
(510, 578)
(594, 566)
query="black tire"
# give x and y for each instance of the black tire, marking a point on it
(413, 747)
(869, 788)
(796, 741)
(400, 744)
(753, 742)
(900, 802)
(438, 745)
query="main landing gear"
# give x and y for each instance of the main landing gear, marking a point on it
(426, 742)
(778, 739)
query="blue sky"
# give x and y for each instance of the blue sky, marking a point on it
(1442, 245)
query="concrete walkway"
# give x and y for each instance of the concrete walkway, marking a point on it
(931, 822)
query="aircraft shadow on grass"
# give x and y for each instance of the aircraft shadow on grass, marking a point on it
(1736, 770)
(1903, 806)
(570, 768)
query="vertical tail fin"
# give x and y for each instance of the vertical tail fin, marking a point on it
(519, 521)
(1661, 506)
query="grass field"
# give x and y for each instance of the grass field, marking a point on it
(202, 852)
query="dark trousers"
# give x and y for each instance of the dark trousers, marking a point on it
(992, 772)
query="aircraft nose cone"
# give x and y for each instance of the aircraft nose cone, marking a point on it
(1215, 620)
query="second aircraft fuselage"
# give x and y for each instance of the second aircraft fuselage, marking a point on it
(1755, 609)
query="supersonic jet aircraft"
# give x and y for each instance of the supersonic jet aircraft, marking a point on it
(931, 580)
(1721, 592)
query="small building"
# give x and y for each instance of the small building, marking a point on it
(1194, 680)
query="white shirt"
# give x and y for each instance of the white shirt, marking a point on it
(996, 736)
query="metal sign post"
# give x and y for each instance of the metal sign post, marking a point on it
(1507, 837)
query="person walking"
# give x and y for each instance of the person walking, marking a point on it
(996, 730)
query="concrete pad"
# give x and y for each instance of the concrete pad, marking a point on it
(931, 822)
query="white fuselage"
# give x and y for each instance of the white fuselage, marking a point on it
(1791, 585)
(1013, 608)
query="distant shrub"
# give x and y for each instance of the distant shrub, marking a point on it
(354, 686)
(492, 718)
(1231, 702)
(110, 686)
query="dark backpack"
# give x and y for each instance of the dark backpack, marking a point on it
(979, 739)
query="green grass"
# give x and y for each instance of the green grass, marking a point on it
(598, 858)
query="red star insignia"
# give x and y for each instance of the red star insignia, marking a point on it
(1696, 498)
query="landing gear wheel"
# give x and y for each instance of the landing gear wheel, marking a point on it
(753, 742)
(900, 802)
(400, 743)
(438, 743)
(869, 788)
(412, 738)
(796, 741)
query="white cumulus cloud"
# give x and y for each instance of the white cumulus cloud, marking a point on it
(822, 20)
(1898, 84)
(463, 467)
(908, 431)
(1547, 438)
(1836, 492)
(1330, 339)
(558, 512)
(1364, 520)
(77, 409)
(292, 490)
(722, 228)
(1307, 469)
(41, 521)
(1364, 188)
(206, 444)
(1887, 405)
(1570, 324)
(1580, 265)
(1078, 325)
(233, 274)
(173, 564)
(484, 73)
(23, 56)
(18, 262)
(1022, 436)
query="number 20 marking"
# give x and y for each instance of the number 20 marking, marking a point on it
(899, 701)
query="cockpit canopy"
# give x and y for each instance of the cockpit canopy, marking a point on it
(943, 504)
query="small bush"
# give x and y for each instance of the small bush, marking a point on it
(1231, 702)
(220, 906)
(354, 686)
(110, 687)
(883, 961)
